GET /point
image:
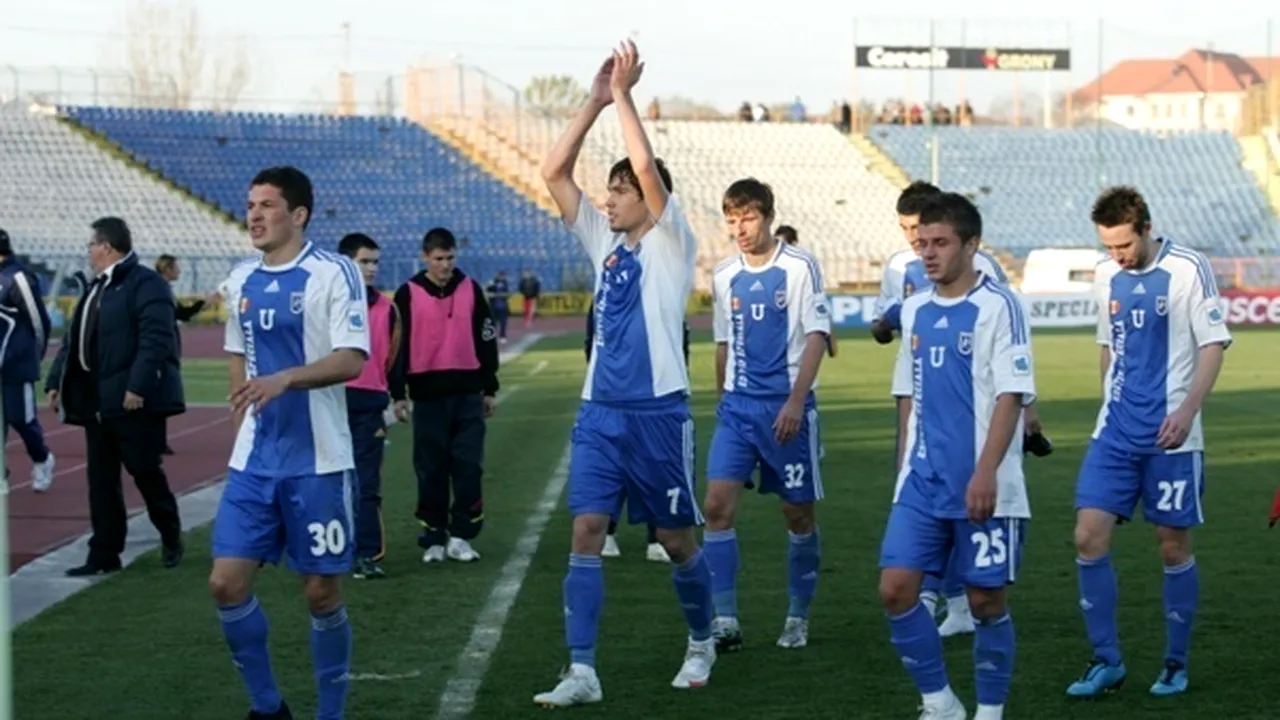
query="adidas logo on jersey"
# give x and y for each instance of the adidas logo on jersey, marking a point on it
(757, 286)
(273, 287)
(1140, 290)
(942, 324)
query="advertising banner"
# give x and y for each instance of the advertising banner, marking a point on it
(905, 57)
(1252, 307)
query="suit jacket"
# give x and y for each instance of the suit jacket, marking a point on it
(132, 347)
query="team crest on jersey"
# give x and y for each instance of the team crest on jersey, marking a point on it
(964, 345)
(820, 310)
(244, 305)
(1162, 305)
(488, 332)
(915, 342)
(1215, 316)
(355, 321)
(735, 304)
(1021, 365)
(297, 301)
(1115, 307)
(780, 298)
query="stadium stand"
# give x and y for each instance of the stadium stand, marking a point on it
(1036, 186)
(54, 182)
(844, 212)
(383, 176)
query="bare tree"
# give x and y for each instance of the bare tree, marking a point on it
(554, 94)
(167, 56)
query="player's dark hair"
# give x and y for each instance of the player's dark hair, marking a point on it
(294, 186)
(749, 193)
(115, 233)
(438, 238)
(955, 210)
(623, 171)
(353, 243)
(915, 196)
(1121, 205)
(6, 245)
(788, 234)
(165, 262)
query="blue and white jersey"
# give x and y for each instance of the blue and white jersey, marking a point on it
(641, 297)
(1154, 321)
(288, 316)
(904, 276)
(957, 357)
(765, 314)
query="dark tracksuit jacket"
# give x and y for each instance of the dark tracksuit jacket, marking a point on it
(24, 335)
(447, 365)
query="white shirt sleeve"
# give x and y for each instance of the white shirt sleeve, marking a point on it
(986, 263)
(720, 307)
(903, 375)
(890, 290)
(1102, 294)
(1208, 320)
(674, 223)
(347, 307)
(1008, 338)
(592, 230)
(815, 310)
(233, 338)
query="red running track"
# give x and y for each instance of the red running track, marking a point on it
(201, 439)
(42, 522)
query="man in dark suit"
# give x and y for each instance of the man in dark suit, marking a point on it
(117, 375)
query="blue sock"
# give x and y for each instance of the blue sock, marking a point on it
(953, 577)
(331, 657)
(1181, 596)
(245, 628)
(583, 598)
(993, 651)
(1098, 598)
(918, 643)
(693, 587)
(720, 548)
(803, 556)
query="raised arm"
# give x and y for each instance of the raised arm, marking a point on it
(557, 169)
(627, 69)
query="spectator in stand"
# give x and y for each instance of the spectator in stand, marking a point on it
(530, 289)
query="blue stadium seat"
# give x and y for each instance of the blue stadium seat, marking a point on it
(1035, 186)
(384, 176)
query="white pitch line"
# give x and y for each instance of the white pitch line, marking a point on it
(542, 365)
(459, 697)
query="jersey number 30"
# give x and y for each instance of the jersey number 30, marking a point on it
(327, 539)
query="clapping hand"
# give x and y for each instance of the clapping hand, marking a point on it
(627, 68)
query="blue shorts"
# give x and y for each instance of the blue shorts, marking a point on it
(644, 455)
(744, 440)
(987, 556)
(1171, 486)
(308, 517)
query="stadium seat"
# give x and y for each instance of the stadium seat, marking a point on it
(1035, 186)
(383, 176)
(54, 182)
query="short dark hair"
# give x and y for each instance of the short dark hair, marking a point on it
(6, 245)
(915, 196)
(165, 262)
(294, 186)
(623, 171)
(955, 210)
(749, 193)
(1121, 205)
(438, 238)
(788, 234)
(353, 243)
(115, 233)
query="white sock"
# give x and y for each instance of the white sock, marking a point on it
(958, 606)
